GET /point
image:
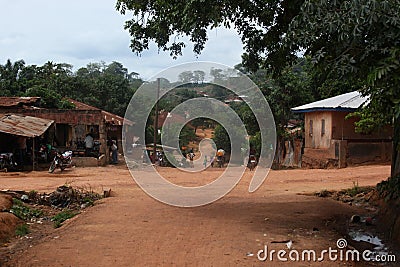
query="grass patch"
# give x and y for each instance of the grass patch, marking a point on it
(62, 217)
(24, 212)
(355, 190)
(88, 201)
(22, 230)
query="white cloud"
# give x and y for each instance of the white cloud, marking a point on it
(80, 32)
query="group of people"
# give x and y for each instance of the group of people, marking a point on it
(191, 155)
(219, 159)
(111, 145)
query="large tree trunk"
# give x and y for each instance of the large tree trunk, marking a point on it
(396, 149)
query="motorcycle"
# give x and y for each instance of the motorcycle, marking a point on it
(220, 158)
(7, 161)
(95, 151)
(220, 161)
(62, 161)
(252, 162)
(46, 153)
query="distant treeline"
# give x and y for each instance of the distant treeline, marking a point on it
(108, 87)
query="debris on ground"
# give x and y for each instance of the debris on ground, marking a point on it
(361, 231)
(26, 216)
(62, 204)
(58, 206)
(65, 197)
(355, 219)
(355, 195)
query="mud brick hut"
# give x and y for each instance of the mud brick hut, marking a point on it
(331, 139)
(71, 125)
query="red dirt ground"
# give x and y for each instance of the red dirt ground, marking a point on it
(132, 229)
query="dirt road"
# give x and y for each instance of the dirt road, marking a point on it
(132, 229)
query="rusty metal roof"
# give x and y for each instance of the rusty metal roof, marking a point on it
(18, 101)
(115, 119)
(24, 125)
(80, 105)
(108, 117)
(25, 102)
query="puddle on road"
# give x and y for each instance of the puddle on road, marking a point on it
(366, 237)
(361, 236)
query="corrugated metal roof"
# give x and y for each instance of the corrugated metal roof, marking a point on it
(24, 125)
(80, 105)
(348, 101)
(6, 101)
(9, 102)
(108, 117)
(115, 119)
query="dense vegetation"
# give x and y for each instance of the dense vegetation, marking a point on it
(109, 87)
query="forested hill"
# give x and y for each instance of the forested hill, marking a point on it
(109, 87)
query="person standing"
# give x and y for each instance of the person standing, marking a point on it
(212, 158)
(114, 152)
(205, 162)
(191, 157)
(88, 144)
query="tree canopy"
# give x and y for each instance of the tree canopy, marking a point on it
(261, 24)
(109, 87)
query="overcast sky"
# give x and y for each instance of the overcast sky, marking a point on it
(79, 32)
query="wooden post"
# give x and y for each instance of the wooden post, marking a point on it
(156, 122)
(103, 141)
(395, 168)
(33, 154)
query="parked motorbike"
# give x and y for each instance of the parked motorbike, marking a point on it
(252, 162)
(220, 158)
(95, 151)
(7, 161)
(61, 161)
(46, 153)
(220, 161)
